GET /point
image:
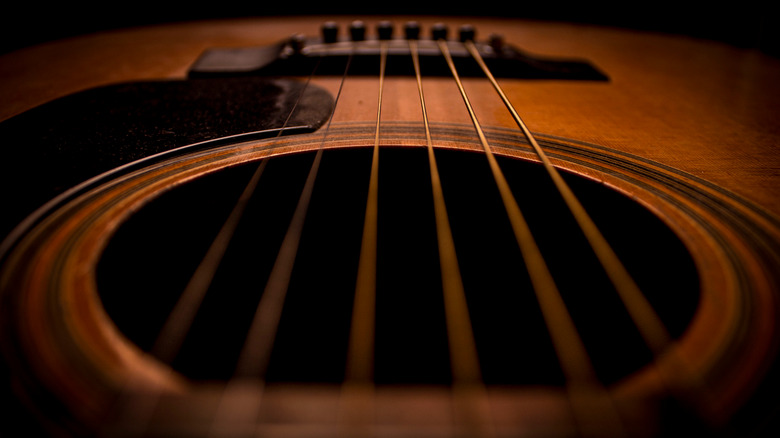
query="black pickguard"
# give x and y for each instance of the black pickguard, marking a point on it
(62, 143)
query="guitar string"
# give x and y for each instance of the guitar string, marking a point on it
(136, 415)
(584, 389)
(255, 355)
(465, 365)
(171, 336)
(180, 319)
(356, 404)
(361, 344)
(469, 389)
(652, 329)
(648, 322)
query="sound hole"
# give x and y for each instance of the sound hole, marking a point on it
(148, 262)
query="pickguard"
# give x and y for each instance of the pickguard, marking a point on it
(67, 141)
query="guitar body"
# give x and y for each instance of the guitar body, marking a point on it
(684, 130)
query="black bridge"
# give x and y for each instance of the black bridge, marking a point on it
(328, 54)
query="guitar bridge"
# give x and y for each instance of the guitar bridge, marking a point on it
(328, 54)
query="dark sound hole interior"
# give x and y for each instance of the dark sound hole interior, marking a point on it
(148, 262)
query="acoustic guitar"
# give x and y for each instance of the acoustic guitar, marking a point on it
(300, 227)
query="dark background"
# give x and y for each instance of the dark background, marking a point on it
(748, 23)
